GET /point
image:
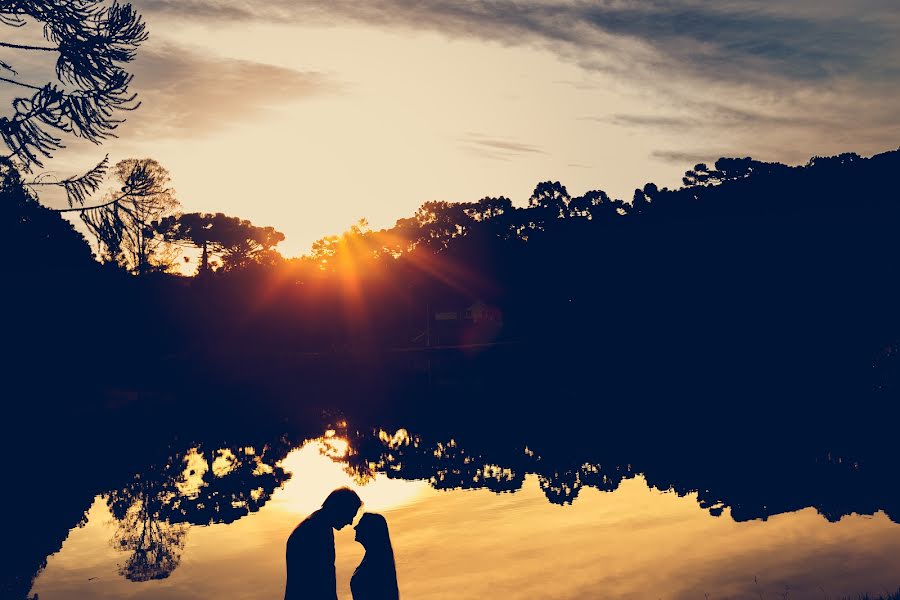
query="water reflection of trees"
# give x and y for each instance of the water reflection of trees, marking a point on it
(203, 485)
(751, 485)
(213, 482)
(444, 465)
(154, 544)
(221, 485)
(447, 465)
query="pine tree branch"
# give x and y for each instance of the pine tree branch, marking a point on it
(25, 85)
(95, 207)
(26, 47)
(78, 187)
(94, 41)
(127, 194)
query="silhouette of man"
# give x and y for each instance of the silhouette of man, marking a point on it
(310, 549)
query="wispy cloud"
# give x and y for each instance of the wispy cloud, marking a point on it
(686, 158)
(713, 115)
(823, 68)
(735, 40)
(655, 121)
(828, 71)
(496, 148)
(185, 92)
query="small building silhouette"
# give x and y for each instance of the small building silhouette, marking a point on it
(470, 323)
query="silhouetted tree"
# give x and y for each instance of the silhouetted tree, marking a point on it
(819, 161)
(236, 241)
(153, 512)
(34, 238)
(496, 216)
(124, 223)
(192, 228)
(440, 222)
(730, 169)
(552, 199)
(643, 198)
(245, 243)
(597, 206)
(489, 208)
(350, 248)
(153, 543)
(233, 482)
(560, 488)
(92, 41)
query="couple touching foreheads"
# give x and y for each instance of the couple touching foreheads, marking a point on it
(310, 553)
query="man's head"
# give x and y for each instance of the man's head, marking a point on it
(341, 507)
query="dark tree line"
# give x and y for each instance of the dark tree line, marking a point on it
(750, 277)
(752, 483)
(35, 238)
(236, 242)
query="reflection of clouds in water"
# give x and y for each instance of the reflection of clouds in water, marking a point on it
(317, 470)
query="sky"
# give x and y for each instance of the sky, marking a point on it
(309, 115)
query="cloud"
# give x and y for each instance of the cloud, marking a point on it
(804, 64)
(799, 40)
(689, 159)
(654, 121)
(185, 93)
(777, 80)
(497, 148)
(714, 115)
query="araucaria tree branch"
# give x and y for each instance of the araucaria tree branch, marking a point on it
(93, 41)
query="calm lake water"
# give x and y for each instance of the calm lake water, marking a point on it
(212, 523)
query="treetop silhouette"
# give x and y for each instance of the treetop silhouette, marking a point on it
(236, 241)
(123, 222)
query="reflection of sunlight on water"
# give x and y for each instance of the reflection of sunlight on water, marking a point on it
(333, 446)
(224, 463)
(563, 533)
(398, 439)
(316, 469)
(192, 479)
(195, 468)
(632, 541)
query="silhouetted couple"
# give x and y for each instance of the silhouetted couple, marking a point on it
(310, 553)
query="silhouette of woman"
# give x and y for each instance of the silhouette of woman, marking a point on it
(376, 576)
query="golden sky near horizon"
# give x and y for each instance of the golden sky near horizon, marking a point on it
(309, 116)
